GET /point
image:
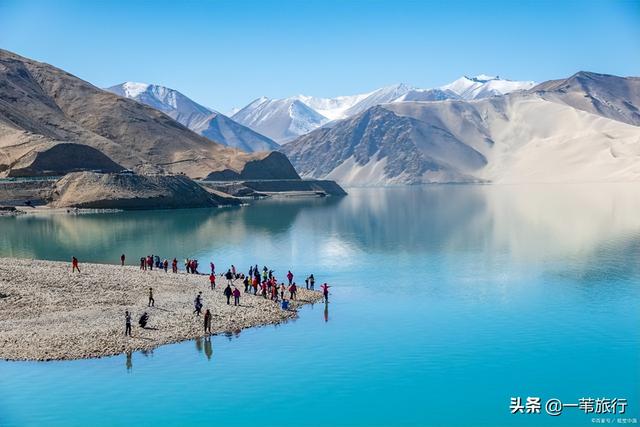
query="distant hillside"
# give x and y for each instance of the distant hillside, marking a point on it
(617, 98)
(582, 129)
(42, 106)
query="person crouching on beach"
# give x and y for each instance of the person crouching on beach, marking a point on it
(207, 322)
(127, 324)
(74, 265)
(227, 293)
(236, 296)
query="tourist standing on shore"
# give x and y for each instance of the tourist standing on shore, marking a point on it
(207, 322)
(245, 282)
(229, 276)
(325, 292)
(174, 265)
(198, 304)
(292, 290)
(150, 262)
(227, 293)
(283, 289)
(74, 265)
(263, 289)
(236, 296)
(127, 324)
(122, 257)
(306, 283)
(152, 302)
(212, 280)
(312, 281)
(290, 277)
(165, 264)
(213, 268)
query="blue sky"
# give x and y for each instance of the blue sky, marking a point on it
(226, 53)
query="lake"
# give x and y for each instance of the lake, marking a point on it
(447, 301)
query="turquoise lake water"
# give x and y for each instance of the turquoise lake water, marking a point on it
(446, 302)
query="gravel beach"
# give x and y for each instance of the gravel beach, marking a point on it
(49, 313)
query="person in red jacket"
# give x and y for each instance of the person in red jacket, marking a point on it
(212, 279)
(325, 292)
(174, 265)
(74, 265)
(290, 277)
(292, 290)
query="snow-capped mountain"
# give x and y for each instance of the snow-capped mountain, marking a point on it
(287, 118)
(280, 119)
(581, 129)
(202, 120)
(483, 86)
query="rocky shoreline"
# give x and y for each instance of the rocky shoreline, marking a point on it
(49, 313)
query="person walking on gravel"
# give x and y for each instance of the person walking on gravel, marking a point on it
(198, 304)
(152, 302)
(127, 324)
(74, 265)
(227, 293)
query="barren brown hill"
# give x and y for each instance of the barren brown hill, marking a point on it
(42, 106)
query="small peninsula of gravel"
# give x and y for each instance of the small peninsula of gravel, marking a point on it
(49, 313)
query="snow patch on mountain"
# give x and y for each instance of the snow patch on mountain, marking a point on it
(484, 86)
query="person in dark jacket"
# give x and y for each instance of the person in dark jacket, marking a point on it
(207, 322)
(227, 293)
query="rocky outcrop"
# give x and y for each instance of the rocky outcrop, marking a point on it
(62, 158)
(129, 191)
(275, 165)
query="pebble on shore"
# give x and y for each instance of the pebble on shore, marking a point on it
(49, 313)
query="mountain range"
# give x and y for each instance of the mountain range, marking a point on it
(202, 120)
(52, 122)
(285, 119)
(583, 128)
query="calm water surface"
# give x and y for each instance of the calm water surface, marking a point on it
(447, 301)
